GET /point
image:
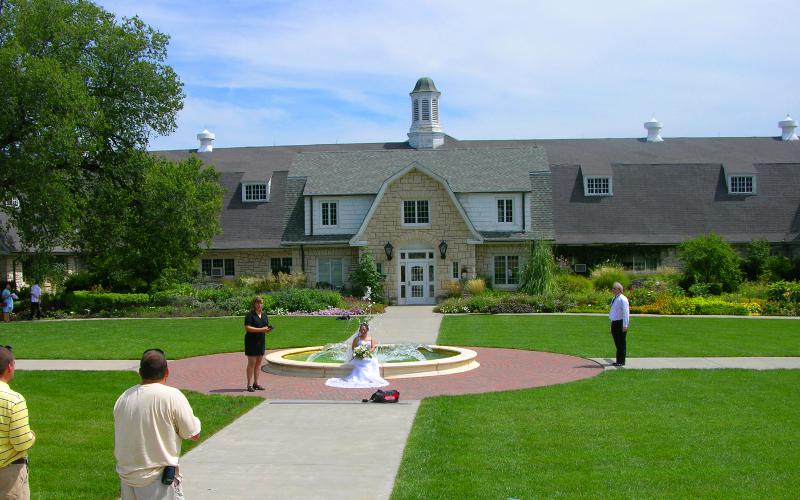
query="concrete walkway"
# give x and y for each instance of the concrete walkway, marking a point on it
(407, 324)
(115, 365)
(303, 449)
(749, 363)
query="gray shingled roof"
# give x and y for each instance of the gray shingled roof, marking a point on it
(465, 170)
(667, 204)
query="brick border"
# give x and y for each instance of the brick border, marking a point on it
(500, 370)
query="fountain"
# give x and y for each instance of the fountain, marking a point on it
(396, 360)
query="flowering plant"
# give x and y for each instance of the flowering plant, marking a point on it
(362, 352)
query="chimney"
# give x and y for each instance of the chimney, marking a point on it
(206, 139)
(788, 126)
(653, 130)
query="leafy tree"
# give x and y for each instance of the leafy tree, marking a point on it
(131, 237)
(710, 259)
(366, 275)
(758, 255)
(538, 273)
(81, 93)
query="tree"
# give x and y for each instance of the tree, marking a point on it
(538, 273)
(366, 275)
(758, 252)
(710, 260)
(81, 94)
(131, 237)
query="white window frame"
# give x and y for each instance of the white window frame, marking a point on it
(505, 208)
(731, 183)
(218, 271)
(416, 213)
(335, 204)
(455, 270)
(327, 278)
(593, 192)
(267, 187)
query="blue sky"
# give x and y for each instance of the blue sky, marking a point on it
(258, 73)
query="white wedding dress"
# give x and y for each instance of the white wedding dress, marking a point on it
(366, 373)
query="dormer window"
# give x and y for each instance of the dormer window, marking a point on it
(505, 211)
(256, 191)
(741, 184)
(597, 186)
(329, 214)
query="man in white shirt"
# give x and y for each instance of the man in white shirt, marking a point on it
(619, 314)
(150, 421)
(36, 294)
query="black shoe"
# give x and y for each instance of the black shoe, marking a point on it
(617, 364)
(257, 387)
(250, 388)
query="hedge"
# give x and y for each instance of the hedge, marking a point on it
(96, 301)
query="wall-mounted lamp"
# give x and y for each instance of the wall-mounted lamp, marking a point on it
(388, 248)
(443, 249)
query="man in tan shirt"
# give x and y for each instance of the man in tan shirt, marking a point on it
(16, 436)
(150, 421)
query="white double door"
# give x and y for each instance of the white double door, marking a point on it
(417, 281)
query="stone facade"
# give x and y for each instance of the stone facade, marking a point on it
(253, 262)
(312, 253)
(12, 269)
(446, 224)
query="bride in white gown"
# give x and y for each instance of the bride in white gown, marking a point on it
(366, 371)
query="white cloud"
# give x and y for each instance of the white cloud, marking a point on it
(506, 69)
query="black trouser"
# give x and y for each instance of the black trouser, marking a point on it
(36, 310)
(619, 340)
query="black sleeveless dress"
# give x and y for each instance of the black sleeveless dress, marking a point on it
(255, 344)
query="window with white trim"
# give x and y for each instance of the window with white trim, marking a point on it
(741, 184)
(255, 191)
(505, 210)
(506, 270)
(416, 212)
(329, 213)
(330, 270)
(597, 186)
(217, 268)
(455, 273)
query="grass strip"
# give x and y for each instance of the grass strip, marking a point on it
(588, 336)
(180, 338)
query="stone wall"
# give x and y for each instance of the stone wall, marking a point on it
(446, 223)
(253, 262)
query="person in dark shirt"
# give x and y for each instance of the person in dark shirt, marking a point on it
(256, 326)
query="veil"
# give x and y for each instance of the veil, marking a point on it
(349, 344)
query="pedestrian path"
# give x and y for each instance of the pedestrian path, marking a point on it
(303, 449)
(104, 365)
(749, 363)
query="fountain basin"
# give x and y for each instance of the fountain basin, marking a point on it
(460, 360)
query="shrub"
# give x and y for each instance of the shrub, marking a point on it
(481, 303)
(784, 291)
(700, 289)
(538, 273)
(453, 305)
(82, 280)
(366, 275)
(710, 259)
(307, 299)
(604, 277)
(475, 286)
(755, 263)
(573, 283)
(95, 301)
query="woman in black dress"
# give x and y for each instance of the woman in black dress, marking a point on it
(256, 326)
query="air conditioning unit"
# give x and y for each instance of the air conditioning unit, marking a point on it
(217, 272)
(579, 268)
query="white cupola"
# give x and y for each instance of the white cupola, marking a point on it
(206, 139)
(425, 132)
(788, 128)
(653, 127)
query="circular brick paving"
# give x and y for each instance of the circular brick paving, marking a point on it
(500, 370)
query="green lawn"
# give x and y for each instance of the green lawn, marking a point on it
(180, 338)
(588, 336)
(71, 413)
(624, 434)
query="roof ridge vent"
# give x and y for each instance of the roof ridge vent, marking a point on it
(206, 139)
(788, 127)
(653, 127)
